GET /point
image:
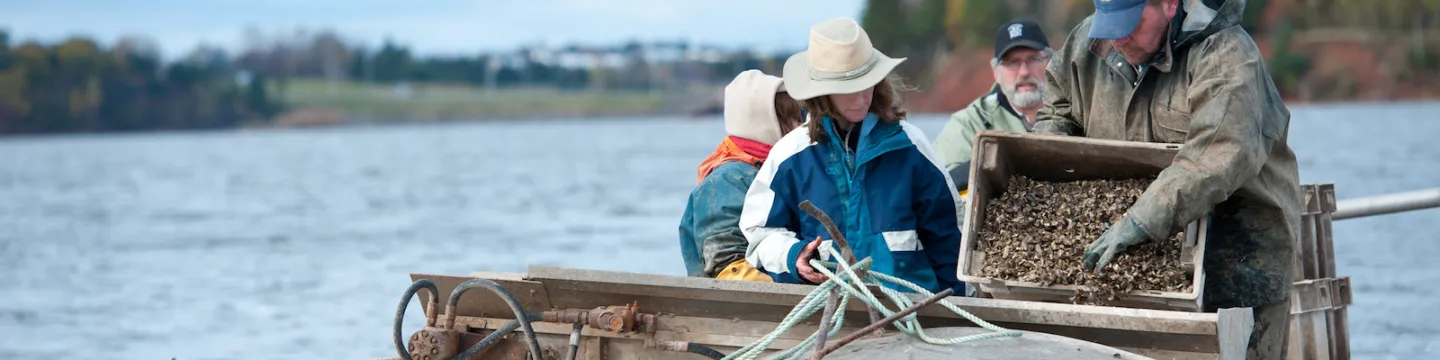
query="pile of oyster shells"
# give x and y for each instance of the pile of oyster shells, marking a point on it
(1037, 232)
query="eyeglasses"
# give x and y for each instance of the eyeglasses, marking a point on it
(1034, 61)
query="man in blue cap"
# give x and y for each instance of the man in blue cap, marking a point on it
(1160, 71)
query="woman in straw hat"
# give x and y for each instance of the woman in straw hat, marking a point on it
(857, 160)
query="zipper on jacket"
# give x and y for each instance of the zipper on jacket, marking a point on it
(847, 156)
(850, 153)
(846, 153)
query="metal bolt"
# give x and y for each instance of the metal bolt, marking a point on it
(412, 347)
(424, 334)
(426, 357)
(414, 337)
(434, 351)
(434, 339)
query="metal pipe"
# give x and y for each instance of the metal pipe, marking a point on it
(405, 303)
(839, 237)
(575, 342)
(703, 350)
(504, 294)
(683, 346)
(886, 321)
(493, 337)
(835, 233)
(830, 305)
(1387, 204)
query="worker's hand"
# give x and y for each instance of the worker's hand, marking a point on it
(1118, 237)
(802, 263)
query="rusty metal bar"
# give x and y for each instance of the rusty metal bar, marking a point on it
(1387, 204)
(839, 238)
(886, 321)
(835, 233)
(830, 306)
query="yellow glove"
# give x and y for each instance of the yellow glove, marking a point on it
(741, 270)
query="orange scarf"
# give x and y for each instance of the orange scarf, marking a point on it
(733, 149)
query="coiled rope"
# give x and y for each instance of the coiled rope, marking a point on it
(853, 286)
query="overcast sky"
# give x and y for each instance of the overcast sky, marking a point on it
(428, 26)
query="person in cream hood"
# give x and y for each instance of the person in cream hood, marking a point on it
(758, 112)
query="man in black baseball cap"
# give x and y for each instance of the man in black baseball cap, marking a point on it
(1020, 33)
(1021, 55)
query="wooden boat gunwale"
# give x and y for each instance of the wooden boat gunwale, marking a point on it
(728, 314)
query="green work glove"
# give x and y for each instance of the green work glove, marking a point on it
(1115, 239)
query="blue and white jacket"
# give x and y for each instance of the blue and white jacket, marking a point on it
(895, 204)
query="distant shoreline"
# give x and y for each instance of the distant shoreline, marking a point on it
(401, 121)
(314, 102)
(546, 116)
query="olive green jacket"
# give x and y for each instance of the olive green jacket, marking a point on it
(989, 112)
(1209, 90)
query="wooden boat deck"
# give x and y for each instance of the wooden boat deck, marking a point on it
(729, 314)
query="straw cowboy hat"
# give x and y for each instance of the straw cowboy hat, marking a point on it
(840, 60)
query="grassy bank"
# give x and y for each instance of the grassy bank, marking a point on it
(443, 102)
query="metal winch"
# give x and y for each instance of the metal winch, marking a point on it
(443, 339)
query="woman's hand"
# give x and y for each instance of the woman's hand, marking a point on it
(802, 263)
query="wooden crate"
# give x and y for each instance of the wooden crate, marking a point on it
(998, 155)
(1315, 328)
(1319, 324)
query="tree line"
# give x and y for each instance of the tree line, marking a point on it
(79, 86)
(926, 30)
(626, 66)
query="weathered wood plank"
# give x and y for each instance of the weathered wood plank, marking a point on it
(481, 302)
(1171, 355)
(1339, 318)
(1030, 345)
(1340, 333)
(1316, 332)
(1306, 266)
(1319, 295)
(739, 299)
(1188, 343)
(592, 348)
(1326, 240)
(716, 338)
(555, 346)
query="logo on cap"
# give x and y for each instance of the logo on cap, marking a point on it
(1015, 30)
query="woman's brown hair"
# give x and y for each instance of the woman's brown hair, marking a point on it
(787, 110)
(886, 103)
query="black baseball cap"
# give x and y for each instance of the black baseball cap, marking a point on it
(1019, 33)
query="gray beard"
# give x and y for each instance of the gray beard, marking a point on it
(1026, 99)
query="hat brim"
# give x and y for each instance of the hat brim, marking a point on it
(1116, 24)
(801, 87)
(1020, 43)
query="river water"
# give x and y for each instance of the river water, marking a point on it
(298, 244)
